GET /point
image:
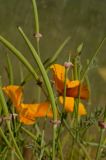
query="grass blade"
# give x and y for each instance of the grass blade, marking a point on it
(20, 57)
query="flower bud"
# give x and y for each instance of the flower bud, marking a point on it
(68, 64)
(102, 124)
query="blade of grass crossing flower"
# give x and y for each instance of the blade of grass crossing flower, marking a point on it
(47, 84)
(92, 58)
(20, 57)
(10, 71)
(5, 110)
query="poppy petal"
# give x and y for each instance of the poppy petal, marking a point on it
(74, 92)
(15, 93)
(25, 120)
(59, 76)
(37, 110)
(29, 112)
(69, 105)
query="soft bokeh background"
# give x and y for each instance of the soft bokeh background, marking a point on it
(83, 20)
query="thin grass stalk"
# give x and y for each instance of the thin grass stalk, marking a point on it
(98, 153)
(63, 109)
(80, 145)
(5, 109)
(92, 58)
(42, 143)
(60, 150)
(36, 19)
(34, 138)
(57, 53)
(10, 71)
(7, 142)
(93, 144)
(19, 55)
(47, 84)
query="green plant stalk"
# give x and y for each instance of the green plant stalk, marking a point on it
(89, 88)
(60, 150)
(36, 19)
(72, 150)
(42, 143)
(47, 84)
(22, 79)
(75, 69)
(7, 142)
(64, 94)
(76, 72)
(12, 155)
(57, 53)
(34, 138)
(80, 145)
(11, 82)
(5, 109)
(93, 144)
(92, 58)
(19, 55)
(10, 71)
(98, 153)
(63, 109)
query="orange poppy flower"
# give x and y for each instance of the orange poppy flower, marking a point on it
(15, 93)
(72, 89)
(29, 112)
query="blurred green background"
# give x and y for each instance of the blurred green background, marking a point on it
(83, 20)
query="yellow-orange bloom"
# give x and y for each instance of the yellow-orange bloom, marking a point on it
(69, 105)
(29, 112)
(15, 93)
(72, 89)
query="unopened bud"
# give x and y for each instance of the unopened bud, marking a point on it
(38, 36)
(68, 64)
(57, 122)
(102, 124)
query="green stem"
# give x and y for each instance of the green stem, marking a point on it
(20, 56)
(42, 143)
(7, 142)
(60, 150)
(5, 109)
(10, 71)
(78, 142)
(98, 153)
(92, 58)
(47, 84)
(36, 19)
